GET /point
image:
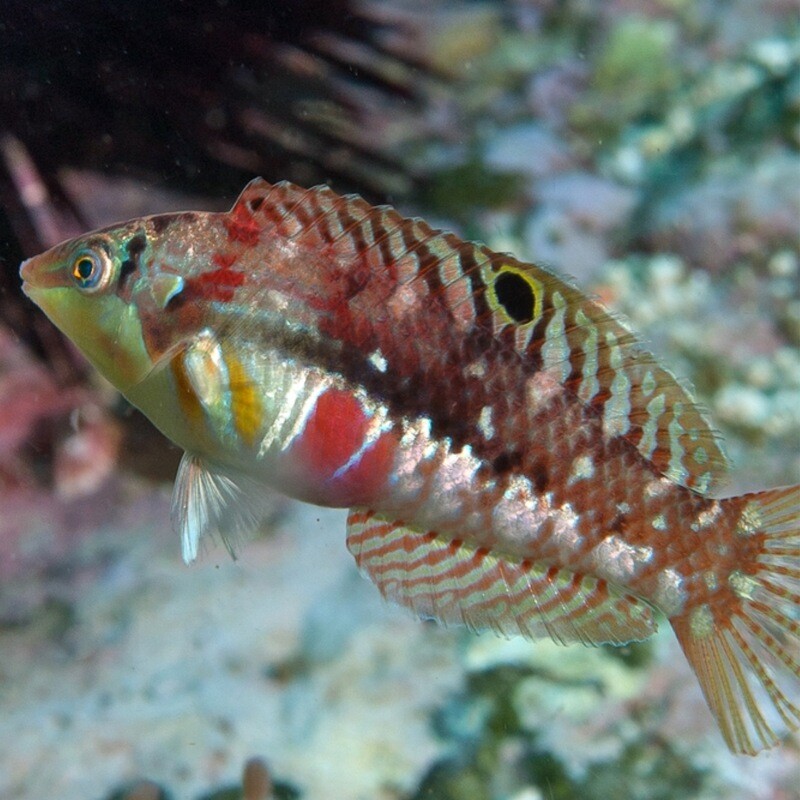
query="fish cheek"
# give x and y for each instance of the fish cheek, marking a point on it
(106, 330)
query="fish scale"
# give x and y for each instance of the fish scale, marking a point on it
(558, 343)
(512, 457)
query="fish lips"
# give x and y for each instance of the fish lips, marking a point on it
(36, 276)
(26, 272)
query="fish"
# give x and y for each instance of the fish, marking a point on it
(512, 458)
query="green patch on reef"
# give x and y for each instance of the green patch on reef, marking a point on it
(499, 755)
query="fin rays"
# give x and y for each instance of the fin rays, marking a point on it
(747, 654)
(454, 582)
(208, 502)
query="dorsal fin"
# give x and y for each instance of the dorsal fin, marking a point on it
(578, 342)
(582, 347)
(253, 195)
(591, 352)
(455, 582)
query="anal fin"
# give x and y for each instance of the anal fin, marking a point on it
(454, 582)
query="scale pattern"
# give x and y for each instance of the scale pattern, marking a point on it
(512, 458)
(552, 325)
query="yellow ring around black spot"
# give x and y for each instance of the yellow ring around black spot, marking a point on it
(517, 295)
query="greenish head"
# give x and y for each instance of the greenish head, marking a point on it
(77, 285)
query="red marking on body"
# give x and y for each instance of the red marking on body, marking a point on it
(218, 284)
(334, 431)
(224, 260)
(243, 229)
(333, 434)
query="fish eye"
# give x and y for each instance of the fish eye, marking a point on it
(90, 270)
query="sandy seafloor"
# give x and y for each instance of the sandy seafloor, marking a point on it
(179, 675)
(119, 663)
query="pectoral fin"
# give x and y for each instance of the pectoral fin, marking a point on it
(213, 501)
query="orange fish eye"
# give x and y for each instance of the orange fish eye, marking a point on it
(88, 270)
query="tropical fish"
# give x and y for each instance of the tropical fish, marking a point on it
(512, 458)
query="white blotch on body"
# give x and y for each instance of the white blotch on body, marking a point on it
(519, 514)
(540, 388)
(659, 522)
(658, 487)
(377, 359)
(619, 561)
(485, 425)
(708, 517)
(430, 482)
(477, 369)
(582, 469)
(670, 595)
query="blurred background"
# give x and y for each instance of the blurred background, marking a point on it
(649, 148)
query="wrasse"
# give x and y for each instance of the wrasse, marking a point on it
(511, 457)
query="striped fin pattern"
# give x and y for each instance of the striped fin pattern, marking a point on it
(553, 325)
(745, 647)
(636, 397)
(456, 583)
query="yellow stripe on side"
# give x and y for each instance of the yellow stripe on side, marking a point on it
(246, 407)
(187, 397)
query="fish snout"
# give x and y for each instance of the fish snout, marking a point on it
(27, 272)
(38, 273)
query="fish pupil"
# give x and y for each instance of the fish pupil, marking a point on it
(84, 268)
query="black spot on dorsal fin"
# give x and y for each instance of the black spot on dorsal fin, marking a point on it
(137, 244)
(516, 296)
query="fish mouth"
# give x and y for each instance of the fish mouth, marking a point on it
(27, 273)
(34, 278)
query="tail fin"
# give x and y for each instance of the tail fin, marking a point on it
(745, 650)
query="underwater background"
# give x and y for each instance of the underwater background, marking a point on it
(648, 148)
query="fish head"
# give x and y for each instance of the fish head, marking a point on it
(77, 285)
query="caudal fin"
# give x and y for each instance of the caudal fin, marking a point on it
(745, 649)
